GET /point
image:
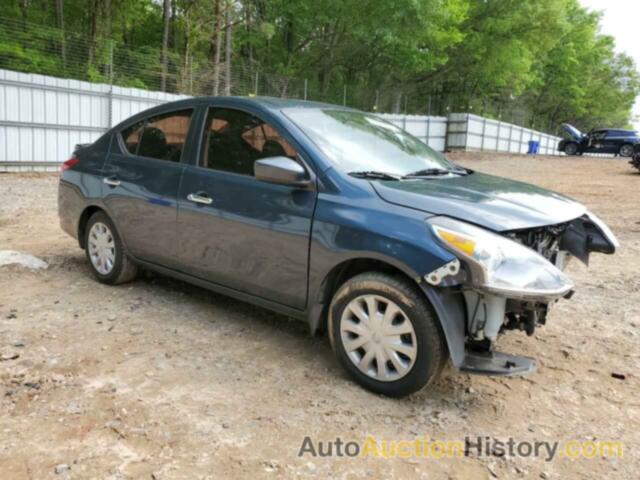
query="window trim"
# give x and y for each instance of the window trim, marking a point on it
(123, 143)
(145, 122)
(300, 156)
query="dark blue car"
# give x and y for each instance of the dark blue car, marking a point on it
(604, 140)
(333, 216)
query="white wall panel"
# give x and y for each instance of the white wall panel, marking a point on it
(42, 118)
(472, 132)
(431, 130)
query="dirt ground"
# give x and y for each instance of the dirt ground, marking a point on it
(158, 379)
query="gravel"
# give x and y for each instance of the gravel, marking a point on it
(160, 379)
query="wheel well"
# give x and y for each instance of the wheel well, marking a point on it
(343, 272)
(82, 223)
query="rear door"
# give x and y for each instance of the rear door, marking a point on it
(239, 232)
(141, 180)
(613, 140)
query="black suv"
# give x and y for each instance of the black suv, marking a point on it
(635, 160)
(604, 140)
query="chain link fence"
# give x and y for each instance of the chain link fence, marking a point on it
(44, 50)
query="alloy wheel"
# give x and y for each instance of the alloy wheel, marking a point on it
(626, 150)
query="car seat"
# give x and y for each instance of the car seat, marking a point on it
(153, 143)
(273, 148)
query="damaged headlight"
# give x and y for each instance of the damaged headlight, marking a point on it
(500, 265)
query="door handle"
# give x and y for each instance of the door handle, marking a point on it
(111, 181)
(202, 198)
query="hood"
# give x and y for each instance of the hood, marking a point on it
(572, 131)
(492, 202)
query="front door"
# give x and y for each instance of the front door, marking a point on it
(239, 232)
(141, 177)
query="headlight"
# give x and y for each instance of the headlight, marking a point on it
(500, 265)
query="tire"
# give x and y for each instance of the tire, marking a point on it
(571, 148)
(424, 350)
(121, 268)
(626, 150)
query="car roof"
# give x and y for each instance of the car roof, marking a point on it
(265, 104)
(269, 103)
(613, 129)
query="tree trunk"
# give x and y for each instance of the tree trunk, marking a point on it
(93, 30)
(172, 26)
(166, 16)
(227, 50)
(397, 102)
(60, 22)
(246, 50)
(217, 40)
(24, 9)
(108, 18)
(181, 87)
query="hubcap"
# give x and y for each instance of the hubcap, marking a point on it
(378, 337)
(102, 248)
(571, 149)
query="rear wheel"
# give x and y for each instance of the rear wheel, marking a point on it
(105, 252)
(571, 148)
(626, 150)
(385, 334)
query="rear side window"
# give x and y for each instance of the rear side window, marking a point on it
(161, 137)
(233, 140)
(131, 137)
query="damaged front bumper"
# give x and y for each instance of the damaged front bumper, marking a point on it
(473, 316)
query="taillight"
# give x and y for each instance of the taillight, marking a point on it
(72, 162)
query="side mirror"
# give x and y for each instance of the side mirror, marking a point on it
(281, 170)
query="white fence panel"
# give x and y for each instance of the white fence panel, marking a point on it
(42, 118)
(129, 101)
(472, 132)
(431, 130)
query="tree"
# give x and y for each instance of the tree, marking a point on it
(531, 61)
(166, 18)
(228, 29)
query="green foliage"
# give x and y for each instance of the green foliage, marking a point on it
(536, 62)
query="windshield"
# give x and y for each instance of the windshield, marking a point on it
(357, 142)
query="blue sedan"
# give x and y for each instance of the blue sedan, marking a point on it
(335, 217)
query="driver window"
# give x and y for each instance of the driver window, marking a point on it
(233, 140)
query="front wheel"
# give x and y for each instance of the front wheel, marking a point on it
(571, 148)
(109, 263)
(385, 334)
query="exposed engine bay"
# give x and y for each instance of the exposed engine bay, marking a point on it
(489, 315)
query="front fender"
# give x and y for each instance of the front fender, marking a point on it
(394, 235)
(450, 309)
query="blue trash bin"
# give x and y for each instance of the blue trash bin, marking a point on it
(533, 147)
